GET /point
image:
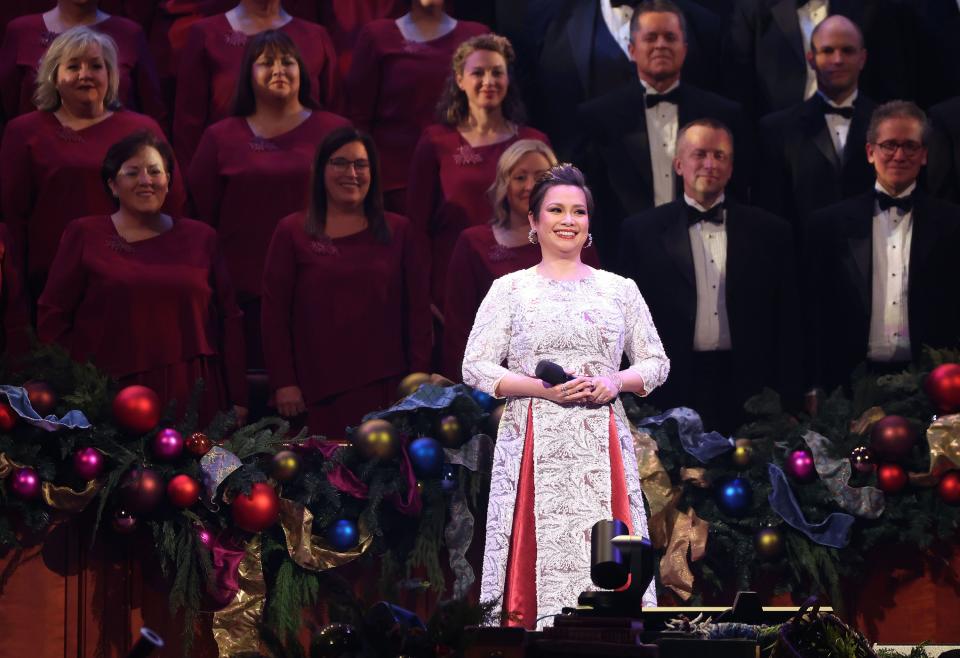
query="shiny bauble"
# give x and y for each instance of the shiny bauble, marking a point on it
(286, 466)
(449, 432)
(742, 455)
(493, 421)
(197, 444)
(891, 478)
(167, 445)
(88, 463)
(426, 456)
(410, 383)
(892, 438)
(335, 641)
(8, 417)
(449, 479)
(486, 402)
(949, 488)
(24, 483)
(734, 496)
(141, 490)
(123, 522)
(258, 511)
(183, 491)
(799, 466)
(376, 439)
(136, 409)
(343, 534)
(768, 543)
(861, 458)
(42, 397)
(205, 537)
(943, 387)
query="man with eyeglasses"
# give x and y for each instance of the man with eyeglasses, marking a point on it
(881, 279)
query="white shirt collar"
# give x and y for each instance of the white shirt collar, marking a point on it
(696, 204)
(848, 102)
(907, 192)
(650, 90)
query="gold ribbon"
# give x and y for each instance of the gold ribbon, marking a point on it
(68, 500)
(654, 480)
(7, 465)
(943, 435)
(235, 627)
(866, 420)
(308, 550)
(689, 535)
(695, 476)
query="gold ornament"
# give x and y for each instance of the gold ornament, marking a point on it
(411, 383)
(377, 439)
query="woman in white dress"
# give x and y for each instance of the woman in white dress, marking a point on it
(564, 455)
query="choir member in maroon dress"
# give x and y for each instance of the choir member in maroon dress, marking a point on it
(455, 161)
(28, 37)
(345, 301)
(395, 80)
(210, 66)
(13, 301)
(345, 18)
(50, 159)
(146, 295)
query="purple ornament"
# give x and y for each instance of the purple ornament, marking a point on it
(800, 466)
(861, 458)
(206, 537)
(88, 463)
(25, 483)
(168, 444)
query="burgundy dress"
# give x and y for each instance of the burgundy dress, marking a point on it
(477, 260)
(27, 39)
(243, 185)
(344, 319)
(345, 18)
(210, 66)
(393, 87)
(448, 191)
(50, 174)
(13, 300)
(158, 312)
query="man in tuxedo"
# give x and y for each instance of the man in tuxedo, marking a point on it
(630, 133)
(881, 266)
(813, 151)
(719, 278)
(943, 170)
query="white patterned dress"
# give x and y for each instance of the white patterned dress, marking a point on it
(585, 326)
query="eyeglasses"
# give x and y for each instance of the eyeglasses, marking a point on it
(342, 164)
(152, 173)
(889, 148)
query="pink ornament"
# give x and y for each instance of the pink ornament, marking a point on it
(25, 483)
(88, 463)
(168, 444)
(206, 537)
(800, 466)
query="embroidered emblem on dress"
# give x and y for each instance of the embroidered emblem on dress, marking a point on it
(498, 253)
(465, 155)
(323, 246)
(47, 37)
(413, 47)
(235, 38)
(118, 244)
(261, 145)
(68, 134)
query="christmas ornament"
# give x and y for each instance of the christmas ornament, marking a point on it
(426, 455)
(862, 459)
(286, 465)
(25, 483)
(493, 422)
(335, 641)
(411, 383)
(205, 537)
(343, 535)
(376, 439)
(88, 463)
(949, 488)
(167, 444)
(742, 454)
(42, 397)
(486, 402)
(450, 432)
(449, 477)
(799, 466)
(123, 522)
(891, 478)
(183, 491)
(197, 444)
(136, 409)
(734, 496)
(892, 438)
(8, 417)
(943, 387)
(768, 543)
(141, 490)
(258, 511)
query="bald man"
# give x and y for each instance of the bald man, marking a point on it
(813, 151)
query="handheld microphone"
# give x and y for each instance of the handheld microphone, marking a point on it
(551, 373)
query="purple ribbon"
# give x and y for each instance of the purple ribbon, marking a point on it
(217, 465)
(834, 531)
(704, 446)
(20, 402)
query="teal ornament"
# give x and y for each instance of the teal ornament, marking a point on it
(343, 535)
(426, 456)
(734, 496)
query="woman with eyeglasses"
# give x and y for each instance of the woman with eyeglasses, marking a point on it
(144, 294)
(253, 168)
(345, 302)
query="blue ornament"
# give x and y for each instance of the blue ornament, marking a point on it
(343, 534)
(448, 481)
(734, 496)
(486, 402)
(426, 455)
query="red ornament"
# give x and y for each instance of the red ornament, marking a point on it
(892, 438)
(891, 478)
(136, 409)
(949, 488)
(142, 490)
(88, 463)
(258, 511)
(800, 467)
(197, 444)
(943, 387)
(8, 417)
(183, 491)
(42, 397)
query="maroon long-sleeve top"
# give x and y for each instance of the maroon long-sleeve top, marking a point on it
(345, 18)
(50, 174)
(393, 87)
(159, 310)
(341, 313)
(13, 300)
(27, 39)
(210, 67)
(447, 191)
(243, 185)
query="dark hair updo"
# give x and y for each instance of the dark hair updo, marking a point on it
(562, 174)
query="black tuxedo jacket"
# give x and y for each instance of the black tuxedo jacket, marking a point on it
(943, 163)
(801, 170)
(761, 296)
(616, 157)
(838, 290)
(940, 73)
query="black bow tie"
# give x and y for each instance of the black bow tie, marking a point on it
(714, 215)
(886, 202)
(652, 100)
(624, 3)
(845, 112)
